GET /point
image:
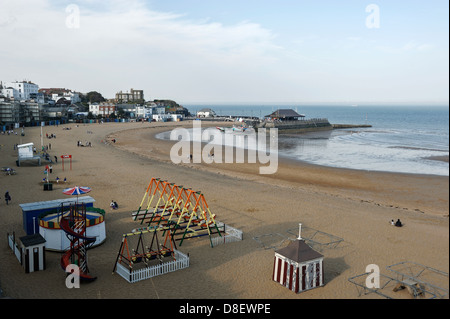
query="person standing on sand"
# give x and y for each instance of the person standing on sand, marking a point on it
(7, 197)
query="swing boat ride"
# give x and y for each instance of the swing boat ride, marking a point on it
(176, 213)
(183, 209)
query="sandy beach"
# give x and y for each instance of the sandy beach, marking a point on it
(353, 205)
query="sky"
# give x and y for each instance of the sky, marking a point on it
(247, 51)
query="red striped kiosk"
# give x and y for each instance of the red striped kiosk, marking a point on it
(298, 267)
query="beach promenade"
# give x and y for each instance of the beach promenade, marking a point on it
(353, 205)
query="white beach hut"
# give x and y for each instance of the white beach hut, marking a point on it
(298, 267)
(25, 153)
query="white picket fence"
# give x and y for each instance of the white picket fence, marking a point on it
(232, 235)
(15, 248)
(132, 276)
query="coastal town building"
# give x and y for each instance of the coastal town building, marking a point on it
(9, 93)
(29, 112)
(12, 111)
(132, 96)
(104, 109)
(143, 112)
(38, 97)
(20, 90)
(54, 112)
(206, 112)
(56, 94)
(167, 117)
(9, 111)
(285, 115)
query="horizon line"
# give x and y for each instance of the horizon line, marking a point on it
(324, 103)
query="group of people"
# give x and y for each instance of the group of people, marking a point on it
(50, 135)
(9, 132)
(87, 144)
(57, 179)
(398, 223)
(45, 180)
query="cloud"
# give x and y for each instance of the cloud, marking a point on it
(411, 46)
(121, 44)
(124, 39)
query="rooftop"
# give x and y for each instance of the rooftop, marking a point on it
(32, 240)
(299, 251)
(54, 203)
(282, 113)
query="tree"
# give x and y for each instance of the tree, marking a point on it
(94, 97)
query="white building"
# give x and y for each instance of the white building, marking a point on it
(10, 93)
(143, 112)
(104, 109)
(73, 97)
(206, 113)
(167, 117)
(23, 88)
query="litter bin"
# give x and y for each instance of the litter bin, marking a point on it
(48, 186)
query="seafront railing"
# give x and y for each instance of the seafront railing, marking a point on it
(302, 122)
(15, 248)
(231, 235)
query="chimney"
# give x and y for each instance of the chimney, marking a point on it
(300, 232)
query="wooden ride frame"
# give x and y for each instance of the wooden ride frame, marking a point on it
(175, 204)
(139, 254)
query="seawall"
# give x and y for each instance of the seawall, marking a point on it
(300, 126)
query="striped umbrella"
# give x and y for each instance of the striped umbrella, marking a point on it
(77, 190)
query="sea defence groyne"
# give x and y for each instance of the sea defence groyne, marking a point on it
(300, 126)
(343, 126)
(303, 126)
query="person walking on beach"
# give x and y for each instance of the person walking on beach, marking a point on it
(7, 197)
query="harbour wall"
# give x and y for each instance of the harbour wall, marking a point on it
(310, 125)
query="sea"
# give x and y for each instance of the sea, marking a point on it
(402, 139)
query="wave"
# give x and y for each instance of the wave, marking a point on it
(419, 148)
